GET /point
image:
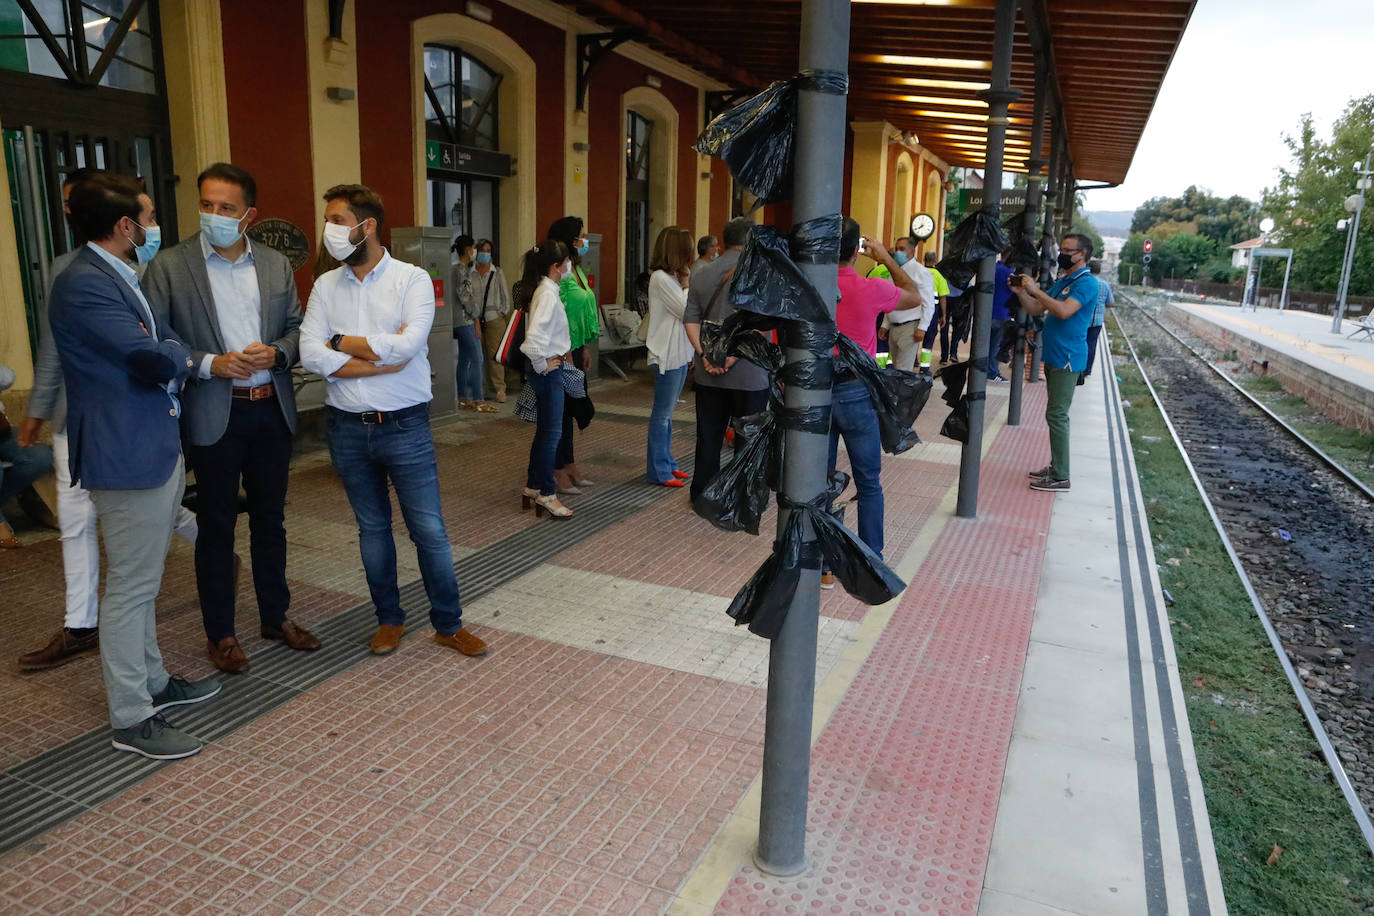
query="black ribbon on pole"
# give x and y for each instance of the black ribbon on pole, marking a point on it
(771, 294)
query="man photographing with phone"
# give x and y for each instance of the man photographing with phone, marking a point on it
(1068, 309)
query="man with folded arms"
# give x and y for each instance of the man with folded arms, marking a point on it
(366, 331)
(234, 303)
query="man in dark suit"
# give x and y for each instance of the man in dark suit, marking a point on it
(123, 373)
(235, 305)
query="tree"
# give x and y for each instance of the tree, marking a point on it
(1223, 220)
(1181, 256)
(1308, 200)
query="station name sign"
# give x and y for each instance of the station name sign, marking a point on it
(971, 199)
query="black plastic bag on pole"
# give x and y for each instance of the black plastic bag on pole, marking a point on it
(1021, 254)
(977, 237)
(755, 138)
(955, 378)
(767, 280)
(741, 334)
(737, 497)
(897, 396)
(763, 602)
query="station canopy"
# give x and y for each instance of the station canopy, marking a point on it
(920, 64)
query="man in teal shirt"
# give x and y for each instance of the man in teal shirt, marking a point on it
(1068, 310)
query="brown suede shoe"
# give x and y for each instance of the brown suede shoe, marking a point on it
(295, 636)
(387, 639)
(61, 649)
(463, 640)
(227, 655)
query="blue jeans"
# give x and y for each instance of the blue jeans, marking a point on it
(852, 416)
(26, 466)
(365, 457)
(667, 386)
(548, 430)
(469, 363)
(994, 344)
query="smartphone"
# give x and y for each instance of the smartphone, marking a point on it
(1016, 280)
(863, 245)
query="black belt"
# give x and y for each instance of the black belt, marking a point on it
(375, 417)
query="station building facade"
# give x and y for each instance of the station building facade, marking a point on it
(462, 115)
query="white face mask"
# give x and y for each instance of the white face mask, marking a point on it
(565, 271)
(337, 241)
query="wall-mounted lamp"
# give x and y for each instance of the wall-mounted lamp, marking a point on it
(653, 81)
(581, 147)
(340, 94)
(479, 12)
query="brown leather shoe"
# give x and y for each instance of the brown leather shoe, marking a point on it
(463, 640)
(294, 635)
(61, 649)
(387, 639)
(227, 655)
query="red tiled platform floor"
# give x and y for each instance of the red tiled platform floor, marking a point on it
(551, 779)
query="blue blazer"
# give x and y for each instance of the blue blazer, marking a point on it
(122, 426)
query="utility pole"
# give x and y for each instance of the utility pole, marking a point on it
(1353, 203)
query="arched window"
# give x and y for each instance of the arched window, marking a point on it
(461, 99)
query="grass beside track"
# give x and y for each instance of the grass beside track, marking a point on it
(1266, 782)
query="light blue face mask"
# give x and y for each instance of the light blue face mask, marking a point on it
(152, 241)
(221, 231)
(900, 257)
(584, 248)
(484, 257)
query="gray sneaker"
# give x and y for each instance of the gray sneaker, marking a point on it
(155, 739)
(181, 692)
(1049, 483)
(1046, 471)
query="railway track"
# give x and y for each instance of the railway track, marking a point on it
(1298, 527)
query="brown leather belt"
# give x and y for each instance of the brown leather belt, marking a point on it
(256, 393)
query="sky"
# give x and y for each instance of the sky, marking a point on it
(1244, 73)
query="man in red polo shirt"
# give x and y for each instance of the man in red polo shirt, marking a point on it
(862, 301)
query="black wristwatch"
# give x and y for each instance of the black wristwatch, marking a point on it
(335, 341)
(280, 361)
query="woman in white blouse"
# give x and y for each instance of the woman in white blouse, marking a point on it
(547, 345)
(670, 352)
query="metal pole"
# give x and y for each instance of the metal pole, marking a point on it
(40, 237)
(1283, 295)
(1350, 251)
(1336, 311)
(1032, 222)
(999, 96)
(817, 191)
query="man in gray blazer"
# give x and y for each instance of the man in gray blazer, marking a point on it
(235, 305)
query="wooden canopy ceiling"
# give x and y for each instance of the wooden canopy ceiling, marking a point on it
(919, 64)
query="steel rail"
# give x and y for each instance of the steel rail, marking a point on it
(1305, 442)
(1309, 711)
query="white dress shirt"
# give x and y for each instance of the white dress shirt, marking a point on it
(546, 334)
(667, 342)
(237, 300)
(392, 294)
(925, 285)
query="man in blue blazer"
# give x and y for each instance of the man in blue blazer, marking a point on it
(234, 303)
(123, 374)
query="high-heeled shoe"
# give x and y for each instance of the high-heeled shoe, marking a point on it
(584, 483)
(527, 498)
(672, 482)
(549, 505)
(682, 475)
(569, 490)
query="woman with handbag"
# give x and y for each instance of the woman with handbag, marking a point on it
(493, 296)
(670, 352)
(579, 302)
(547, 347)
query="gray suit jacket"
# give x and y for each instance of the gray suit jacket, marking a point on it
(48, 400)
(177, 285)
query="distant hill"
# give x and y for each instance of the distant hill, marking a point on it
(1111, 222)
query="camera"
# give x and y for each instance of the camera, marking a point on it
(1016, 280)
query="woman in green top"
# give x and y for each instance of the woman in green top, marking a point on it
(579, 301)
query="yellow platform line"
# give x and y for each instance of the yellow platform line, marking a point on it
(734, 843)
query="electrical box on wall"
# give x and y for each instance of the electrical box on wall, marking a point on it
(428, 247)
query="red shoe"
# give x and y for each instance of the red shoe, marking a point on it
(681, 475)
(675, 482)
(729, 435)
